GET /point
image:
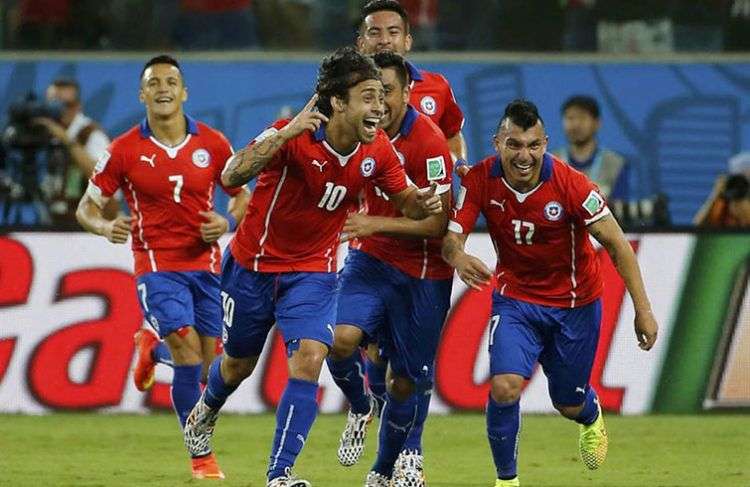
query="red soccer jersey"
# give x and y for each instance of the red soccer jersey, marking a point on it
(424, 153)
(166, 188)
(302, 197)
(544, 254)
(432, 95)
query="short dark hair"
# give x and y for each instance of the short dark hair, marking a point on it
(522, 113)
(64, 82)
(160, 59)
(390, 59)
(340, 71)
(584, 102)
(388, 5)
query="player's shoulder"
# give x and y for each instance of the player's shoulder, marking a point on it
(209, 132)
(481, 171)
(425, 128)
(127, 140)
(433, 78)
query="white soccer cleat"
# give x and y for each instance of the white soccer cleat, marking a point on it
(375, 479)
(408, 470)
(199, 428)
(288, 480)
(352, 443)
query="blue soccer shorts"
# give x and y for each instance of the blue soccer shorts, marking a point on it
(404, 313)
(172, 300)
(302, 304)
(562, 340)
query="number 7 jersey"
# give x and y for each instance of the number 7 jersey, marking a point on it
(166, 188)
(302, 198)
(544, 254)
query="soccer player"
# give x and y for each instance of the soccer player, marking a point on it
(395, 288)
(282, 262)
(168, 167)
(546, 304)
(384, 26)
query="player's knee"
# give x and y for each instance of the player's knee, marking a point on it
(184, 348)
(346, 341)
(570, 412)
(400, 387)
(235, 370)
(506, 388)
(306, 361)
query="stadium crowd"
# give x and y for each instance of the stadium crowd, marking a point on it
(569, 25)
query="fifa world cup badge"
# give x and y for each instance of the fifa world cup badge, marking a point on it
(435, 168)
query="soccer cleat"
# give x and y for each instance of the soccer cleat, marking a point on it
(145, 342)
(199, 428)
(375, 479)
(408, 471)
(288, 480)
(352, 442)
(206, 468)
(593, 442)
(507, 483)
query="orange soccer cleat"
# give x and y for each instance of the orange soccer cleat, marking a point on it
(207, 468)
(145, 342)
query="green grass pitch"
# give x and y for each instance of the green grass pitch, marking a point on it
(123, 450)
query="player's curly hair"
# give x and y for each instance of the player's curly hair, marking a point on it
(340, 71)
(522, 113)
(390, 59)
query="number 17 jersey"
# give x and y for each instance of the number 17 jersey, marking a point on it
(544, 254)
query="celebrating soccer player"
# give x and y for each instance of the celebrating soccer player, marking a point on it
(384, 26)
(168, 168)
(282, 262)
(396, 291)
(546, 305)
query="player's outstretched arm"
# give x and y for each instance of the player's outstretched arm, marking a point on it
(470, 269)
(89, 216)
(418, 204)
(250, 161)
(360, 225)
(608, 233)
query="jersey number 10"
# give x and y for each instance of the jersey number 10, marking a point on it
(332, 197)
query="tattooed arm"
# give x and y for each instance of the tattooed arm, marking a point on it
(250, 161)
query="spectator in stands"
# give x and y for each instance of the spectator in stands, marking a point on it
(608, 169)
(579, 19)
(83, 142)
(39, 24)
(216, 24)
(728, 205)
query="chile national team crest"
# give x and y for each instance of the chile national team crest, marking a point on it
(553, 211)
(368, 167)
(201, 158)
(428, 105)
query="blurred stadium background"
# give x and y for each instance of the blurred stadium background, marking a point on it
(672, 78)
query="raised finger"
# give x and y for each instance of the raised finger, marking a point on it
(310, 103)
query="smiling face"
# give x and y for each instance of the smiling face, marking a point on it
(396, 101)
(521, 153)
(384, 31)
(362, 110)
(163, 91)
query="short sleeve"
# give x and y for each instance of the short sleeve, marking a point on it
(389, 174)
(587, 203)
(468, 203)
(452, 119)
(434, 165)
(96, 144)
(222, 152)
(108, 175)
